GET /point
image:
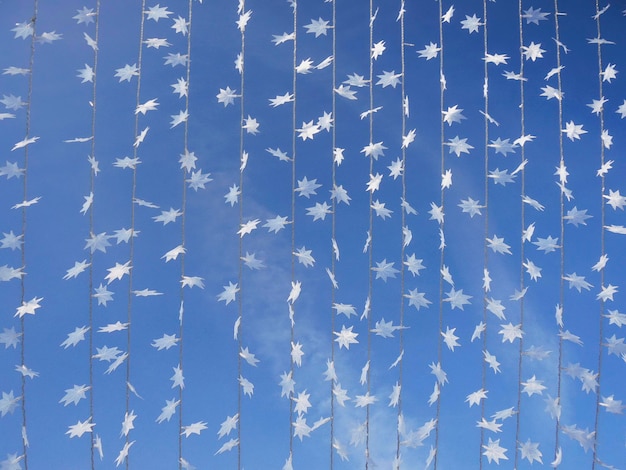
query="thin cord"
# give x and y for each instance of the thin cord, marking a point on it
(486, 228)
(132, 225)
(293, 205)
(562, 260)
(91, 221)
(441, 227)
(602, 243)
(371, 238)
(182, 235)
(522, 242)
(403, 224)
(241, 11)
(25, 186)
(333, 235)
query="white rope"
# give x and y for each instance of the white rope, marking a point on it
(183, 226)
(486, 227)
(441, 227)
(131, 240)
(596, 425)
(518, 415)
(91, 221)
(24, 219)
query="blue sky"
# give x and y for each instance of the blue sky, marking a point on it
(52, 233)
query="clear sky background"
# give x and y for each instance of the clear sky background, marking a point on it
(90, 157)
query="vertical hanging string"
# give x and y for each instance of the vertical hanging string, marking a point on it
(294, 4)
(370, 237)
(333, 235)
(241, 10)
(25, 194)
(131, 241)
(404, 109)
(522, 239)
(441, 227)
(91, 221)
(486, 228)
(602, 242)
(557, 449)
(182, 236)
